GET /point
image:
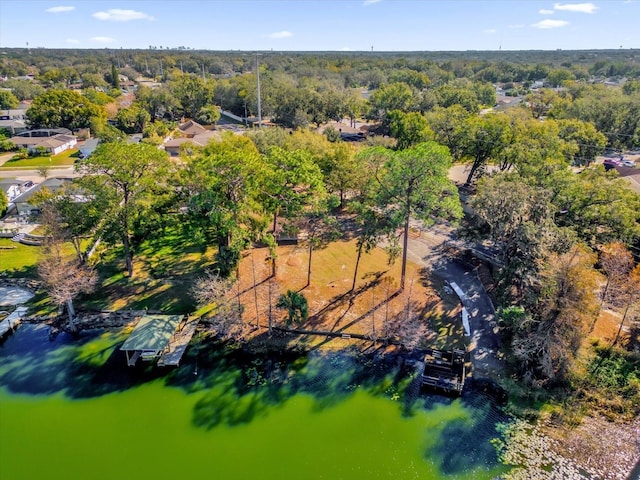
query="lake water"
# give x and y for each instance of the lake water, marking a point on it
(71, 409)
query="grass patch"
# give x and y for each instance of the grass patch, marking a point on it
(18, 260)
(164, 270)
(375, 307)
(68, 157)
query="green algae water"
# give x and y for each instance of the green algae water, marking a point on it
(71, 409)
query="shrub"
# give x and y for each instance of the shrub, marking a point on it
(21, 154)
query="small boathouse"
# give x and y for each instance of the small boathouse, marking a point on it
(157, 336)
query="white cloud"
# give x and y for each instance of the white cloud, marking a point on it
(490, 30)
(576, 7)
(102, 39)
(366, 3)
(72, 41)
(544, 11)
(119, 15)
(548, 23)
(60, 9)
(282, 34)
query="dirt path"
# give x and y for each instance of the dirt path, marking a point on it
(430, 250)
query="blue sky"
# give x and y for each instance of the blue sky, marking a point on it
(385, 25)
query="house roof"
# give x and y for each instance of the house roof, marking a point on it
(89, 146)
(52, 184)
(191, 128)
(45, 132)
(176, 142)
(13, 124)
(199, 140)
(58, 140)
(6, 183)
(14, 114)
(51, 142)
(152, 332)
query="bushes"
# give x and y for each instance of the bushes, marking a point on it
(611, 382)
(21, 154)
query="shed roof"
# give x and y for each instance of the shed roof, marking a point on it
(152, 332)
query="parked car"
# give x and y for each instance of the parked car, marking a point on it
(629, 163)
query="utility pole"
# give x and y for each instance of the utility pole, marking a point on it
(259, 99)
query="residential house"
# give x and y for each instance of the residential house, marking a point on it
(13, 120)
(13, 114)
(174, 146)
(52, 145)
(46, 132)
(21, 206)
(191, 128)
(14, 127)
(12, 188)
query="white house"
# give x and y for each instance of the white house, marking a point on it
(52, 145)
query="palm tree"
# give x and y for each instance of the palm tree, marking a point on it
(296, 306)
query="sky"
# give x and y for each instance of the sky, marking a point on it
(322, 25)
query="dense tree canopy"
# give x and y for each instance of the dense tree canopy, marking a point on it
(8, 100)
(64, 109)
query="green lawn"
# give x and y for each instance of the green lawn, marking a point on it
(164, 269)
(18, 260)
(67, 157)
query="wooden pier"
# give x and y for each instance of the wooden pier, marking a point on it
(178, 344)
(10, 323)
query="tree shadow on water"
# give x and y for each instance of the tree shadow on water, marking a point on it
(466, 443)
(241, 386)
(34, 361)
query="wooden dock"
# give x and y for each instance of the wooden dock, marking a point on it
(178, 344)
(444, 370)
(12, 321)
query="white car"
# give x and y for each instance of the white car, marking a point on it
(629, 163)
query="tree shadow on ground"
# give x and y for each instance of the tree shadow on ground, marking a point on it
(30, 272)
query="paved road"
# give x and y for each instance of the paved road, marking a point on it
(66, 172)
(430, 250)
(32, 174)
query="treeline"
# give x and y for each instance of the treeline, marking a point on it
(300, 90)
(494, 66)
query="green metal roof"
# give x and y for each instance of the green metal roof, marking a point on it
(152, 332)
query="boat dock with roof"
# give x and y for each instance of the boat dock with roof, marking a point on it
(161, 337)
